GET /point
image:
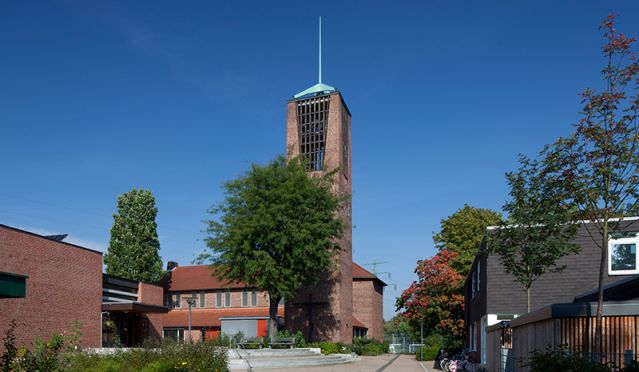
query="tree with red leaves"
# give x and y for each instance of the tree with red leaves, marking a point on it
(599, 162)
(436, 296)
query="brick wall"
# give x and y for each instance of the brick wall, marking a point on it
(152, 294)
(64, 285)
(331, 321)
(368, 306)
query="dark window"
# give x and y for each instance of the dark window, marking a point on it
(218, 302)
(253, 298)
(176, 334)
(202, 299)
(245, 298)
(623, 257)
(227, 298)
(312, 119)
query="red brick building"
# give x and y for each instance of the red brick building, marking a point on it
(318, 128)
(62, 282)
(47, 284)
(228, 307)
(368, 302)
(217, 306)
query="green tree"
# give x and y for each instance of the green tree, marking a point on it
(536, 234)
(276, 230)
(134, 247)
(599, 162)
(462, 233)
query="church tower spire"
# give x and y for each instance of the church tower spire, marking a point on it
(319, 88)
(318, 126)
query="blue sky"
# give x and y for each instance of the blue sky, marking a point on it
(99, 97)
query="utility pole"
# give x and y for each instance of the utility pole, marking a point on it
(191, 302)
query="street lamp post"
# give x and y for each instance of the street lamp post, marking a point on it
(421, 336)
(191, 302)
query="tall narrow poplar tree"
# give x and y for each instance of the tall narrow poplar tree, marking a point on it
(134, 249)
(599, 162)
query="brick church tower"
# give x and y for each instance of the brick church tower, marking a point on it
(318, 126)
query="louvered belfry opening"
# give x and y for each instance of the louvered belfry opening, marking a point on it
(312, 121)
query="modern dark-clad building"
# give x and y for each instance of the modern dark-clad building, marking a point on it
(491, 295)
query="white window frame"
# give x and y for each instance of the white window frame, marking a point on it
(611, 243)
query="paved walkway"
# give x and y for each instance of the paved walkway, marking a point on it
(385, 363)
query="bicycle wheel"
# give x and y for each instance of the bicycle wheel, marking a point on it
(442, 364)
(469, 367)
(447, 365)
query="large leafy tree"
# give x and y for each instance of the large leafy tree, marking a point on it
(275, 230)
(536, 234)
(462, 233)
(134, 246)
(435, 298)
(599, 162)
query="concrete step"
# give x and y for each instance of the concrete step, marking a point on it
(273, 353)
(282, 361)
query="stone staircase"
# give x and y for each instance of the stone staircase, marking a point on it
(284, 358)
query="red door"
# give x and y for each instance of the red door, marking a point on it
(261, 328)
(211, 334)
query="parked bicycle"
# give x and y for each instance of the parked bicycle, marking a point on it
(456, 363)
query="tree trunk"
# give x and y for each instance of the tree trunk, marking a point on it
(272, 313)
(528, 295)
(602, 269)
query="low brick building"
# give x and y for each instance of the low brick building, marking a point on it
(218, 306)
(368, 302)
(47, 285)
(228, 307)
(62, 284)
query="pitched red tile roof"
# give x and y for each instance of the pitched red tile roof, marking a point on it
(211, 317)
(189, 278)
(360, 273)
(357, 323)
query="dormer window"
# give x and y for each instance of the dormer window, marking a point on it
(622, 256)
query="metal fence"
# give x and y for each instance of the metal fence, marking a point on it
(400, 344)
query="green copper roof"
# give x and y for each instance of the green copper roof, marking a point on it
(318, 88)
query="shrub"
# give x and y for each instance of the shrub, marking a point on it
(368, 347)
(632, 367)
(10, 350)
(559, 360)
(428, 352)
(331, 347)
(432, 345)
(299, 338)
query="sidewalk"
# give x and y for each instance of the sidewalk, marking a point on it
(398, 363)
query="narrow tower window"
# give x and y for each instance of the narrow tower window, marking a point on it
(312, 119)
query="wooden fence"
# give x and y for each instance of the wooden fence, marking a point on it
(570, 327)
